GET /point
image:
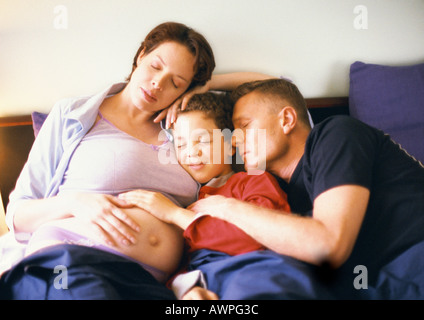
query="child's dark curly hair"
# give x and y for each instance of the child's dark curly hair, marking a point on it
(216, 106)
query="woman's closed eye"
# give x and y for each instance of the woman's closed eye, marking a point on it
(155, 66)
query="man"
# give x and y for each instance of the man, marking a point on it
(358, 196)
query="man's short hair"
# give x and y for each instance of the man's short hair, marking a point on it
(279, 91)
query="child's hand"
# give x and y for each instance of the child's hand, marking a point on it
(198, 293)
(153, 202)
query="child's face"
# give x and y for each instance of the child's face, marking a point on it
(200, 147)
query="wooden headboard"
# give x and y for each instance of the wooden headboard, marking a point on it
(17, 137)
(321, 108)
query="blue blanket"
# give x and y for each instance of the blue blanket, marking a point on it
(260, 275)
(268, 275)
(79, 273)
(86, 273)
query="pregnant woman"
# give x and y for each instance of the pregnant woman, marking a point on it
(91, 149)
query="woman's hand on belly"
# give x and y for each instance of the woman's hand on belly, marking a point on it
(106, 216)
(158, 244)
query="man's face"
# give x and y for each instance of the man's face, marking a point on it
(259, 139)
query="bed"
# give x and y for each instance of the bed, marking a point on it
(390, 98)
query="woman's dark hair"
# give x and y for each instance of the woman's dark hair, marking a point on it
(194, 41)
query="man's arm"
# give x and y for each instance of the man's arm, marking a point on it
(341, 210)
(327, 237)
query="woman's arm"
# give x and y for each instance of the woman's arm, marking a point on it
(230, 81)
(36, 178)
(102, 212)
(34, 201)
(220, 82)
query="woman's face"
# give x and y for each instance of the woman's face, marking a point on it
(161, 76)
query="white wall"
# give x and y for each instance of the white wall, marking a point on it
(311, 41)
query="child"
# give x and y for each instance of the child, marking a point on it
(206, 153)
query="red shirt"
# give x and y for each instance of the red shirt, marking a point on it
(215, 234)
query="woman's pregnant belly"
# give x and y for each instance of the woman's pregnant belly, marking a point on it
(158, 244)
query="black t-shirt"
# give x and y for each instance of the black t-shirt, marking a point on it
(341, 151)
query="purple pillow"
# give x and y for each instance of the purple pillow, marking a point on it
(37, 121)
(391, 99)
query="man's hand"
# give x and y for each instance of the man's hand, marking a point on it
(215, 206)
